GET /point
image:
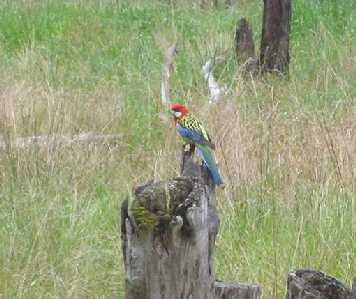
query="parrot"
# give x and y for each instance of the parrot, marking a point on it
(193, 133)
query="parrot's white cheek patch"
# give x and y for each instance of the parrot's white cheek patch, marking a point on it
(177, 114)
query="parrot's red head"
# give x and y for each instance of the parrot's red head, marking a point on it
(179, 111)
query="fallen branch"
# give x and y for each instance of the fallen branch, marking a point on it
(214, 89)
(57, 140)
(166, 74)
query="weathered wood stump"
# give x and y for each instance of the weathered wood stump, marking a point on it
(309, 284)
(168, 235)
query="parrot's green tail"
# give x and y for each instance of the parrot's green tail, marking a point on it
(208, 157)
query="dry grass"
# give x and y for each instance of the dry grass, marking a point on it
(294, 148)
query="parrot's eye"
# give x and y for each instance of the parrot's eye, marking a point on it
(177, 114)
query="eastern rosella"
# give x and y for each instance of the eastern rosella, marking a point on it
(192, 132)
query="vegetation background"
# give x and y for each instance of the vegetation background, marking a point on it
(287, 148)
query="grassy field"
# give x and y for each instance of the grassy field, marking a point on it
(286, 148)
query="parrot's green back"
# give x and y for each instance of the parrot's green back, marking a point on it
(191, 123)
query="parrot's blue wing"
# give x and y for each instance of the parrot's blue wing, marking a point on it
(194, 136)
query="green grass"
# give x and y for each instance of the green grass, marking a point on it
(285, 148)
(266, 237)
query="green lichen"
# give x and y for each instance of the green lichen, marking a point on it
(155, 204)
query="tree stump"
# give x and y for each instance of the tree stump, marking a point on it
(245, 47)
(168, 232)
(309, 284)
(236, 291)
(274, 56)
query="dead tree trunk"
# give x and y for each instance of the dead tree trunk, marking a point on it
(309, 284)
(274, 56)
(168, 232)
(245, 47)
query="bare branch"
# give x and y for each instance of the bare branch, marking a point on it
(214, 89)
(166, 74)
